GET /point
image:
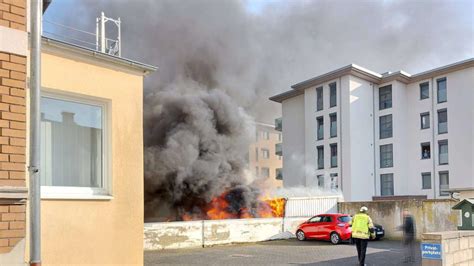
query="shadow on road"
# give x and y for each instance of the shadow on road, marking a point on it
(295, 242)
(379, 258)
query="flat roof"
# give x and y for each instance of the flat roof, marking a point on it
(50, 44)
(358, 71)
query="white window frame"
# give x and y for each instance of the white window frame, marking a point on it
(68, 192)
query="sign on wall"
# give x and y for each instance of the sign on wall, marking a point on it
(431, 251)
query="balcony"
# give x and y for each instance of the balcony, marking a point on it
(279, 124)
(279, 149)
(279, 174)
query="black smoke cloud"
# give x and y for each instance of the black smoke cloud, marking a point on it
(218, 63)
(195, 151)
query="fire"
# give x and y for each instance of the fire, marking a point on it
(277, 206)
(225, 207)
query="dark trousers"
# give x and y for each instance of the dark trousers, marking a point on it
(361, 245)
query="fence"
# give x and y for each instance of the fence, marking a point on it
(310, 206)
(191, 234)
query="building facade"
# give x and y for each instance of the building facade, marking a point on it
(265, 160)
(381, 135)
(13, 124)
(91, 150)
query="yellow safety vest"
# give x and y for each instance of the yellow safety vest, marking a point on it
(360, 226)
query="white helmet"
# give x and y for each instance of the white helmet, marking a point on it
(364, 209)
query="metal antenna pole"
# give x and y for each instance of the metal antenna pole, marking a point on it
(119, 37)
(97, 34)
(33, 168)
(102, 32)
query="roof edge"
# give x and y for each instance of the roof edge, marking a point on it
(443, 70)
(371, 76)
(49, 44)
(349, 69)
(279, 98)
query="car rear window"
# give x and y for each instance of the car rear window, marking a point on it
(345, 219)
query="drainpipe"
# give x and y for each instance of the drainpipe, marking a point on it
(434, 147)
(33, 168)
(373, 141)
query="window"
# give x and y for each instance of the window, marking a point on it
(385, 126)
(320, 157)
(73, 146)
(344, 219)
(333, 154)
(426, 181)
(320, 181)
(265, 135)
(425, 150)
(425, 120)
(319, 99)
(424, 91)
(386, 184)
(256, 154)
(316, 219)
(334, 181)
(443, 183)
(265, 172)
(333, 125)
(320, 122)
(443, 151)
(278, 174)
(332, 95)
(327, 219)
(442, 91)
(265, 153)
(385, 97)
(386, 156)
(442, 121)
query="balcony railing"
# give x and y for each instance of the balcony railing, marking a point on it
(279, 149)
(279, 124)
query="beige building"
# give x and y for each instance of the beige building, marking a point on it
(264, 160)
(91, 151)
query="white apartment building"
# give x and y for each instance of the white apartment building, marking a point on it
(372, 135)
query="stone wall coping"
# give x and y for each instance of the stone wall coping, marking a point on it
(447, 235)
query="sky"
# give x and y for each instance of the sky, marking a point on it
(254, 49)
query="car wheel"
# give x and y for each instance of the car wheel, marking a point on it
(335, 238)
(300, 235)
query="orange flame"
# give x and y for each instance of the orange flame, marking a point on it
(267, 207)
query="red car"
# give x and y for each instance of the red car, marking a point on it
(332, 227)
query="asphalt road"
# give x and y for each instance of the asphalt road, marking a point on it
(282, 252)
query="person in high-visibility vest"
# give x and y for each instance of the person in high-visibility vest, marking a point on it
(361, 229)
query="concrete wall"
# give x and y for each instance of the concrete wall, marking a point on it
(457, 248)
(430, 215)
(293, 146)
(192, 234)
(358, 140)
(94, 230)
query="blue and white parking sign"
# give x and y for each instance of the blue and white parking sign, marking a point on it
(431, 251)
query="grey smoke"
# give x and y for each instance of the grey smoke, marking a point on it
(196, 146)
(217, 59)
